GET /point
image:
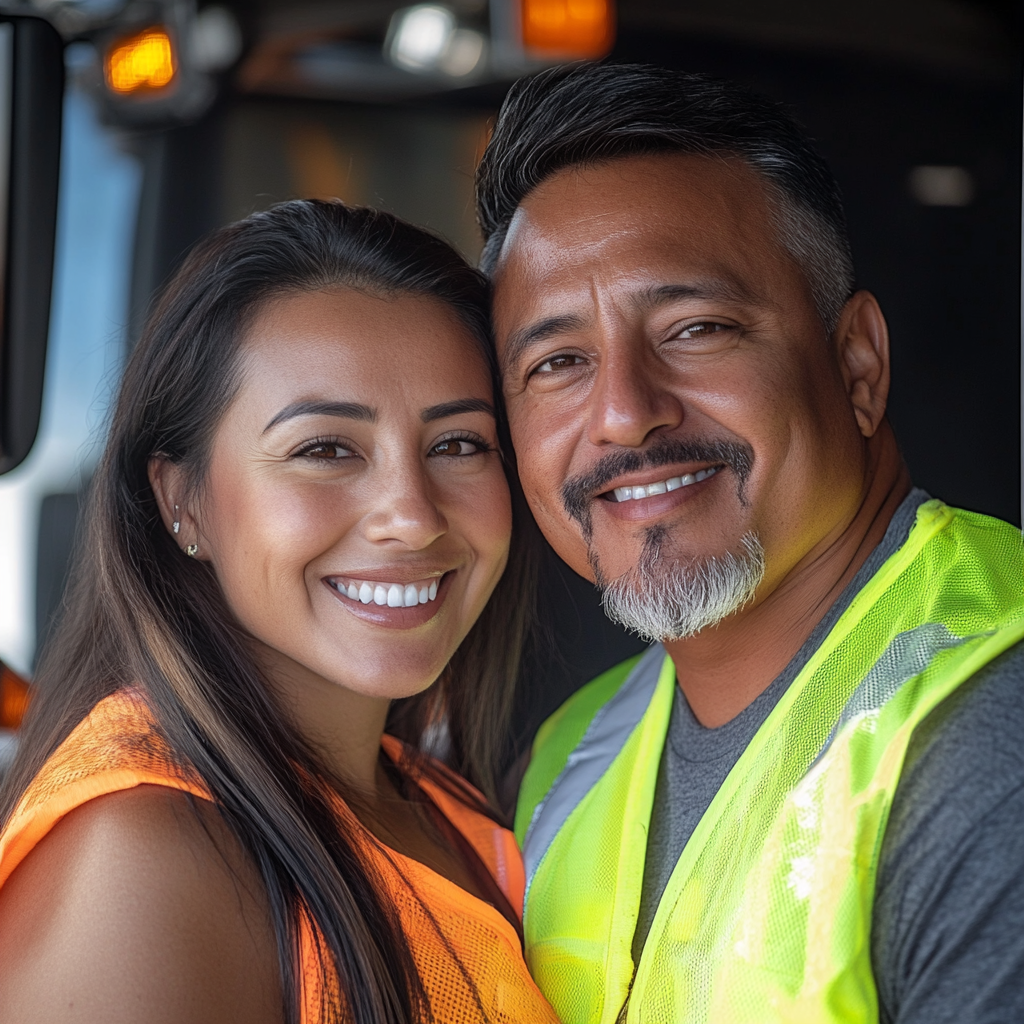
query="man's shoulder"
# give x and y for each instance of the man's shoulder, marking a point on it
(966, 756)
(950, 894)
(559, 736)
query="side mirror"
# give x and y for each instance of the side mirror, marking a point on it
(31, 98)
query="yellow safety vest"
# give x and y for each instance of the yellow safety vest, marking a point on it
(767, 914)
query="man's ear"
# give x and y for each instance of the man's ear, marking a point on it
(862, 348)
(168, 482)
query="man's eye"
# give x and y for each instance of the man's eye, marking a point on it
(701, 330)
(559, 363)
(457, 446)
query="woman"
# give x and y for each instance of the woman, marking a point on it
(300, 523)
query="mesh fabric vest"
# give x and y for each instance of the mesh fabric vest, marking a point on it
(767, 914)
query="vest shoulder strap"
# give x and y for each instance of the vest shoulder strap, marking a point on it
(559, 736)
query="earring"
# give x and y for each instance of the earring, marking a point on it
(192, 550)
(176, 526)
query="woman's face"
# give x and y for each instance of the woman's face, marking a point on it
(356, 511)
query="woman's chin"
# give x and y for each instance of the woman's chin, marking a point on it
(386, 678)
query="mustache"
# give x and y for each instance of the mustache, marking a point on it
(578, 492)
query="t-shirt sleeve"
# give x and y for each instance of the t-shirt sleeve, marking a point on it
(948, 929)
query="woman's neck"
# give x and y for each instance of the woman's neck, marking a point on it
(344, 727)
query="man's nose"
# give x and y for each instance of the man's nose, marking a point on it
(405, 510)
(632, 396)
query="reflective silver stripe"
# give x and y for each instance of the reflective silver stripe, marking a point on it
(907, 655)
(605, 737)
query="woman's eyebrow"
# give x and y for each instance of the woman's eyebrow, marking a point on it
(346, 410)
(439, 412)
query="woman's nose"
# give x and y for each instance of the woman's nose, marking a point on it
(405, 511)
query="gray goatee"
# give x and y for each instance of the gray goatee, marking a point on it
(667, 599)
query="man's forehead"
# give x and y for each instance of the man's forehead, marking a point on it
(590, 199)
(701, 215)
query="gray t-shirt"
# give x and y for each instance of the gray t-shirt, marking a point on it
(948, 929)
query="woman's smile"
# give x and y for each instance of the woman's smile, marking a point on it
(386, 602)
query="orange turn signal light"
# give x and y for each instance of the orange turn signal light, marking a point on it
(568, 29)
(14, 697)
(144, 61)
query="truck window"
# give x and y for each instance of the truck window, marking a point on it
(99, 186)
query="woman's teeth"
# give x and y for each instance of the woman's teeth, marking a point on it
(673, 483)
(394, 595)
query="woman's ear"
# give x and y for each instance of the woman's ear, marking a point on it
(862, 348)
(167, 480)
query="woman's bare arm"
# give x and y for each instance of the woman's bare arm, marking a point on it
(131, 910)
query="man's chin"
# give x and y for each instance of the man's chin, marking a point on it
(665, 598)
(616, 553)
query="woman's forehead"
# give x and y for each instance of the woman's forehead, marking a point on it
(353, 345)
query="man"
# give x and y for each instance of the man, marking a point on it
(806, 802)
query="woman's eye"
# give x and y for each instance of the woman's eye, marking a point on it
(556, 363)
(457, 446)
(326, 450)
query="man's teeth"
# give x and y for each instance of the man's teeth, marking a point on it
(673, 483)
(394, 595)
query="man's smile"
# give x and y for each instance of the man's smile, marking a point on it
(649, 490)
(641, 499)
(659, 477)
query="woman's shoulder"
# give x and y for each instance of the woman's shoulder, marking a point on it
(137, 903)
(119, 890)
(118, 738)
(115, 747)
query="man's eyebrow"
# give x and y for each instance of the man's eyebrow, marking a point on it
(708, 288)
(439, 412)
(346, 410)
(526, 337)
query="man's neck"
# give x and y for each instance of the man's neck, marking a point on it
(723, 670)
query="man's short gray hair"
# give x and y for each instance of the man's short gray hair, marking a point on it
(588, 113)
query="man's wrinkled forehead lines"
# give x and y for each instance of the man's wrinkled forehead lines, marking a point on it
(643, 300)
(715, 289)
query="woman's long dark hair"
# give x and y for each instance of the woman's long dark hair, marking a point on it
(141, 614)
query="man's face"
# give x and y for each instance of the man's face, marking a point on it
(655, 334)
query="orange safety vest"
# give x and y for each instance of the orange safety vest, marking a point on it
(117, 747)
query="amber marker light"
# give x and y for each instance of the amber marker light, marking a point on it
(568, 29)
(143, 61)
(14, 698)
